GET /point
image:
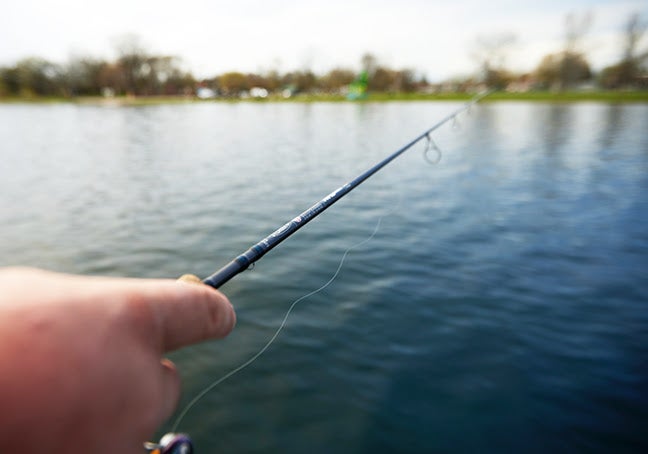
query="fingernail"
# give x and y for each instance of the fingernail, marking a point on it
(190, 278)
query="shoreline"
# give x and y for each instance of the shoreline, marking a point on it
(557, 97)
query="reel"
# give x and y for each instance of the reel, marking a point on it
(171, 443)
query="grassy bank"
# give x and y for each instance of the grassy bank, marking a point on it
(573, 96)
(591, 96)
(599, 96)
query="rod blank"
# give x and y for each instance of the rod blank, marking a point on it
(254, 253)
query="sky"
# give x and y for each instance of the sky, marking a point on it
(435, 38)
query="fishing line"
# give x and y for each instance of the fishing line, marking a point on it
(172, 442)
(247, 363)
(430, 145)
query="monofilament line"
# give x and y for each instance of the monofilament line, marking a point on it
(220, 380)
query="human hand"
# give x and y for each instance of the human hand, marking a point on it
(81, 366)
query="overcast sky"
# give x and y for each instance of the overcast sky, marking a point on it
(213, 36)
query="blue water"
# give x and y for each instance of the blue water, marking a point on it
(502, 304)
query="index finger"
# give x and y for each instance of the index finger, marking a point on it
(169, 313)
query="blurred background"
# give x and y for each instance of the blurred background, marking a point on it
(283, 48)
(502, 303)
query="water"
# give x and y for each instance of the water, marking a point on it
(502, 305)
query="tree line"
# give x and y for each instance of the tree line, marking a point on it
(135, 71)
(138, 72)
(569, 67)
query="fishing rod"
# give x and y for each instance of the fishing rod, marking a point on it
(177, 443)
(254, 253)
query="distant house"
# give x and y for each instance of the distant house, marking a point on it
(205, 93)
(522, 84)
(258, 92)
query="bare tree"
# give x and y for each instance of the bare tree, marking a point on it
(369, 63)
(132, 58)
(576, 27)
(82, 75)
(634, 31)
(491, 52)
(336, 79)
(629, 70)
(554, 70)
(382, 79)
(571, 65)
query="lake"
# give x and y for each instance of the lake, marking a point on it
(502, 304)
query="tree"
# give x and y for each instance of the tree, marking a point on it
(300, 81)
(634, 30)
(561, 70)
(305, 80)
(629, 70)
(132, 61)
(179, 83)
(160, 69)
(139, 72)
(82, 76)
(257, 80)
(576, 27)
(273, 80)
(336, 79)
(404, 81)
(232, 83)
(498, 78)
(573, 64)
(37, 77)
(10, 81)
(381, 80)
(569, 67)
(111, 76)
(491, 52)
(369, 63)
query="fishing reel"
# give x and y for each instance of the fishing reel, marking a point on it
(171, 444)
